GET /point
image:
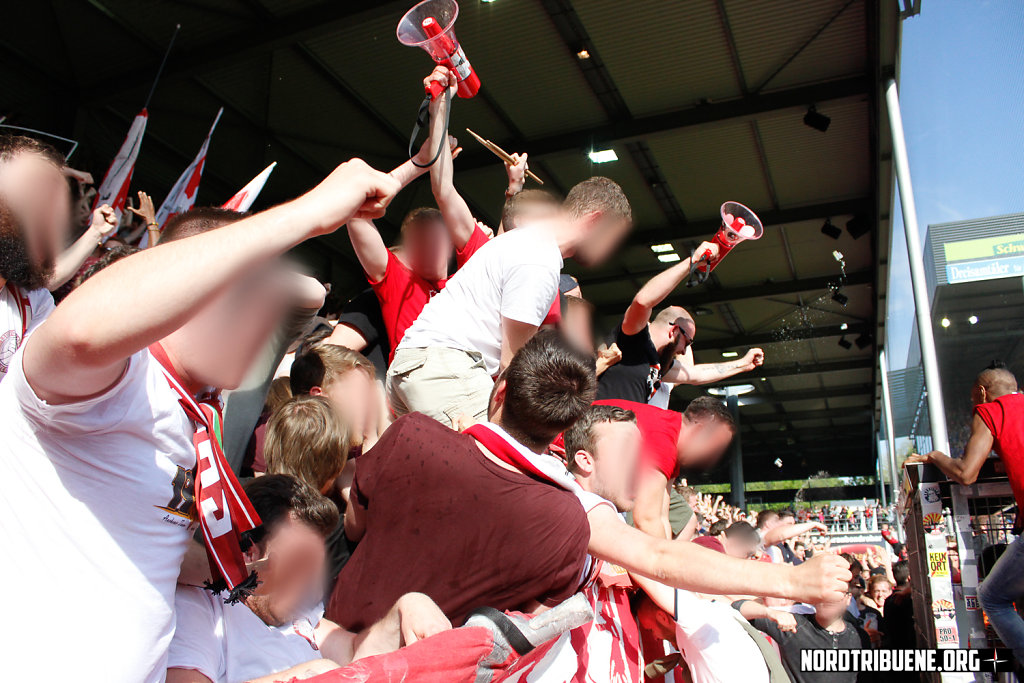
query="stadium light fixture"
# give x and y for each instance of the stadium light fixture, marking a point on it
(602, 156)
(662, 248)
(973, 320)
(816, 120)
(830, 230)
(670, 257)
(944, 322)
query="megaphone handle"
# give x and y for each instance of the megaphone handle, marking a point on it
(434, 89)
(423, 121)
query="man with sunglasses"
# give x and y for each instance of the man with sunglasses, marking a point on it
(659, 351)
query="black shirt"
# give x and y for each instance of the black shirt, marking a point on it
(811, 636)
(362, 313)
(638, 375)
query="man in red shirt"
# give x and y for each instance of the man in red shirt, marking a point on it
(696, 437)
(998, 426)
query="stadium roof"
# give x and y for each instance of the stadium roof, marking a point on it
(702, 101)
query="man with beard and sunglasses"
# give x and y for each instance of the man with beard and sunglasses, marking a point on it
(35, 211)
(659, 351)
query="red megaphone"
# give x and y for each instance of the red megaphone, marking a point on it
(431, 25)
(738, 224)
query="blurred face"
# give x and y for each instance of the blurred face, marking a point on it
(744, 549)
(603, 235)
(218, 346)
(880, 590)
(800, 551)
(615, 463)
(829, 612)
(34, 227)
(701, 446)
(291, 581)
(532, 212)
(426, 248)
(353, 396)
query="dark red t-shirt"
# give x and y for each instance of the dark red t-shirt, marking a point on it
(403, 294)
(1004, 417)
(443, 519)
(660, 431)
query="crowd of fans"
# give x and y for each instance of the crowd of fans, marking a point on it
(206, 481)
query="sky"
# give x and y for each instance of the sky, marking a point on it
(961, 90)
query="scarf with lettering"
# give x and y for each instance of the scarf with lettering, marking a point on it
(224, 510)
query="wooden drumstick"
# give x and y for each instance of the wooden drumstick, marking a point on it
(502, 154)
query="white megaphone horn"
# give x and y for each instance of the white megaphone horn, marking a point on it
(431, 26)
(738, 224)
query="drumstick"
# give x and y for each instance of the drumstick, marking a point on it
(502, 154)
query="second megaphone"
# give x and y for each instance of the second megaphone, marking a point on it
(431, 26)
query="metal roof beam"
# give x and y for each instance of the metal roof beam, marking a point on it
(772, 370)
(784, 335)
(639, 127)
(774, 418)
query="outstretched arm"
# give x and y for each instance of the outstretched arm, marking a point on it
(785, 532)
(454, 209)
(657, 290)
(71, 259)
(962, 470)
(685, 371)
(84, 346)
(695, 568)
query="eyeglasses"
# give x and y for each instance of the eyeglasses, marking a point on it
(678, 324)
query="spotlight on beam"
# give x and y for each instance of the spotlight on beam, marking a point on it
(858, 226)
(830, 230)
(602, 156)
(840, 298)
(973, 320)
(863, 341)
(816, 119)
(944, 322)
(845, 343)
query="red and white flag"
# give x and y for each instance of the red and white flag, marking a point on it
(114, 188)
(182, 196)
(244, 198)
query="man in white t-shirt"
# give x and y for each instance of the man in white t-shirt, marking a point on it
(280, 628)
(98, 481)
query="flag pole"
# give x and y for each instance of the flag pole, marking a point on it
(163, 63)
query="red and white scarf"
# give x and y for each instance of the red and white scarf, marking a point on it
(508, 450)
(223, 509)
(24, 305)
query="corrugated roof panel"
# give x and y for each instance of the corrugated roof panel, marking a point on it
(524, 64)
(199, 25)
(769, 32)
(390, 76)
(244, 85)
(662, 56)
(807, 165)
(706, 166)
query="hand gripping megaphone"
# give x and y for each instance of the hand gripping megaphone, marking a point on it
(738, 224)
(431, 25)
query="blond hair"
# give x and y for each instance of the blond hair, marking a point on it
(323, 364)
(307, 440)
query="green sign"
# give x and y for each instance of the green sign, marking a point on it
(984, 248)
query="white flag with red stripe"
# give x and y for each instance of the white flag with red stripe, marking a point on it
(182, 196)
(244, 198)
(114, 188)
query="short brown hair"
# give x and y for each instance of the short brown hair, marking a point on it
(13, 145)
(421, 215)
(705, 408)
(581, 436)
(598, 194)
(323, 364)
(278, 394)
(878, 578)
(308, 440)
(197, 221)
(549, 384)
(276, 496)
(517, 202)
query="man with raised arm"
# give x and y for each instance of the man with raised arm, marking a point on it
(108, 459)
(659, 350)
(405, 285)
(998, 426)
